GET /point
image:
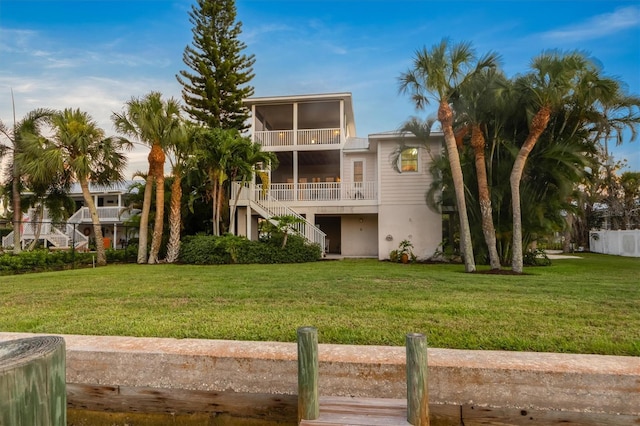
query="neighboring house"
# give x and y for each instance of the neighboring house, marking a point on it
(352, 200)
(77, 230)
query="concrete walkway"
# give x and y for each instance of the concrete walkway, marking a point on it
(558, 254)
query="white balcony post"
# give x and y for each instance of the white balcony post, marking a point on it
(295, 175)
(248, 215)
(342, 136)
(253, 123)
(295, 123)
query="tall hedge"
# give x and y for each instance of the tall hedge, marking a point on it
(211, 250)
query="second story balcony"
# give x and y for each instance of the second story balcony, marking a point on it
(307, 137)
(309, 121)
(323, 192)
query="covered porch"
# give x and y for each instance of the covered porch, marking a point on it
(310, 191)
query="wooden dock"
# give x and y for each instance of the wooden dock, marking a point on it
(342, 411)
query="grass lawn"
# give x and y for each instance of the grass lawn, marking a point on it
(588, 305)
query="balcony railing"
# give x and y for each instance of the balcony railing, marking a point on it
(299, 137)
(322, 191)
(107, 214)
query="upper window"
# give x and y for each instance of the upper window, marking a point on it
(358, 171)
(409, 160)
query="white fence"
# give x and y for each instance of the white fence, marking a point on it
(621, 243)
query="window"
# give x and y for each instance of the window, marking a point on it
(358, 171)
(409, 160)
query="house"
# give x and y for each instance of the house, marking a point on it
(77, 230)
(345, 189)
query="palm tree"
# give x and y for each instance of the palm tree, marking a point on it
(213, 157)
(153, 122)
(436, 75)
(181, 149)
(30, 124)
(248, 155)
(475, 105)
(556, 81)
(79, 150)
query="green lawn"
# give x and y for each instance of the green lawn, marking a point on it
(588, 305)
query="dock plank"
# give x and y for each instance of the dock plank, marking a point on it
(345, 411)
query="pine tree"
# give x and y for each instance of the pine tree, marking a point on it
(218, 81)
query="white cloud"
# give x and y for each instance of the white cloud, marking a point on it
(15, 40)
(597, 27)
(255, 33)
(99, 97)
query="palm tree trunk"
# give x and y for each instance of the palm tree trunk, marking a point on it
(95, 220)
(158, 225)
(156, 169)
(445, 116)
(478, 144)
(538, 125)
(214, 206)
(36, 224)
(17, 208)
(144, 220)
(221, 199)
(234, 207)
(175, 219)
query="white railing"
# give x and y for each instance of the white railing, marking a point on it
(304, 228)
(322, 191)
(61, 235)
(274, 137)
(104, 213)
(7, 240)
(319, 137)
(300, 137)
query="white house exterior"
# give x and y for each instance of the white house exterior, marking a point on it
(353, 201)
(77, 230)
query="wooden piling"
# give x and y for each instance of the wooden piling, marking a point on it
(33, 382)
(417, 390)
(308, 404)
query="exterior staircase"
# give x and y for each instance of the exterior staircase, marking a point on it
(62, 235)
(268, 207)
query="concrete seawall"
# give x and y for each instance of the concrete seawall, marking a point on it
(516, 381)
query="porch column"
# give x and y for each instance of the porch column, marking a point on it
(295, 123)
(248, 222)
(115, 235)
(342, 128)
(295, 175)
(253, 123)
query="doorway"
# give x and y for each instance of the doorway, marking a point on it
(330, 225)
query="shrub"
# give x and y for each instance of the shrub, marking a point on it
(128, 255)
(42, 260)
(536, 257)
(211, 250)
(403, 253)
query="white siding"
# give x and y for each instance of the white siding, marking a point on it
(359, 235)
(404, 188)
(403, 213)
(370, 161)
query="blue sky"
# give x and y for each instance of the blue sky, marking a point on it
(95, 55)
